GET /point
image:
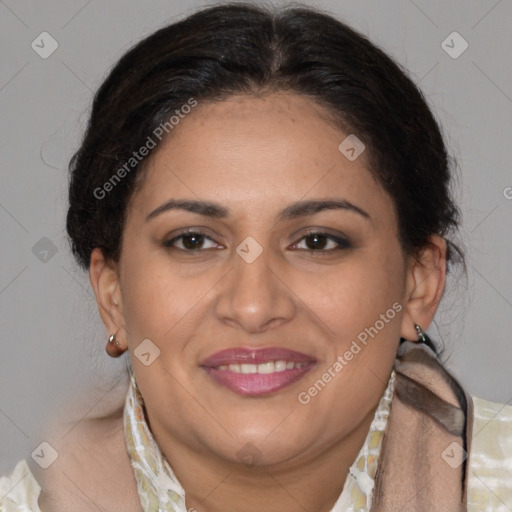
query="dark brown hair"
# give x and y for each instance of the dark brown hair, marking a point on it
(246, 49)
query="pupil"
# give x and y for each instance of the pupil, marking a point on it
(196, 237)
(315, 245)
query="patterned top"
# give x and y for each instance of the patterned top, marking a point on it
(490, 470)
(489, 480)
(159, 489)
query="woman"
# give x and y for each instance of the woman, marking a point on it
(262, 201)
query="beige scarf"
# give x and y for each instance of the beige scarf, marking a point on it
(423, 464)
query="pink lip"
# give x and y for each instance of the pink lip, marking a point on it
(255, 384)
(241, 355)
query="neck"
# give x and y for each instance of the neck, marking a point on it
(312, 483)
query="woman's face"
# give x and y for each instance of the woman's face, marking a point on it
(264, 267)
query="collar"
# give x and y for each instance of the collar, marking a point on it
(157, 485)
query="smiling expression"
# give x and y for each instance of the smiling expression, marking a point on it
(251, 230)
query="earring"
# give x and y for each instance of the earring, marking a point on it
(113, 346)
(112, 339)
(425, 340)
(422, 337)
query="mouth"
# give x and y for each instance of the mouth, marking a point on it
(257, 372)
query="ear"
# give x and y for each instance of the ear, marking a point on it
(104, 279)
(425, 282)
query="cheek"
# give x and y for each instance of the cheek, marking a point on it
(160, 301)
(352, 296)
(360, 306)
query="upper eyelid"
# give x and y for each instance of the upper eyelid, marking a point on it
(185, 233)
(334, 238)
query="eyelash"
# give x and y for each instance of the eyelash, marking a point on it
(342, 242)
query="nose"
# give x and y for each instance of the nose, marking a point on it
(255, 296)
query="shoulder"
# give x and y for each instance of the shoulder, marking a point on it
(19, 490)
(492, 428)
(490, 458)
(92, 470)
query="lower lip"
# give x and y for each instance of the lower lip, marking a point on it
(257, 384)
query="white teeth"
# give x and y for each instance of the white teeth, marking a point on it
(280, 366)
(248, 368)
(263, 368)
(266, 367)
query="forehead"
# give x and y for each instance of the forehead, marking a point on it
(256, 151)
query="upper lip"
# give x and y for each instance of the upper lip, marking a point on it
(242, 355)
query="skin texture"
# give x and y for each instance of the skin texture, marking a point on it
(256, 156)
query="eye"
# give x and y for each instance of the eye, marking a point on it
(190, 241)
(319, 242)
(193, 241)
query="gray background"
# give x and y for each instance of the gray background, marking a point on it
(52, 338)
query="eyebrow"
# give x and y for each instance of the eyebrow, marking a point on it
(293, 211)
